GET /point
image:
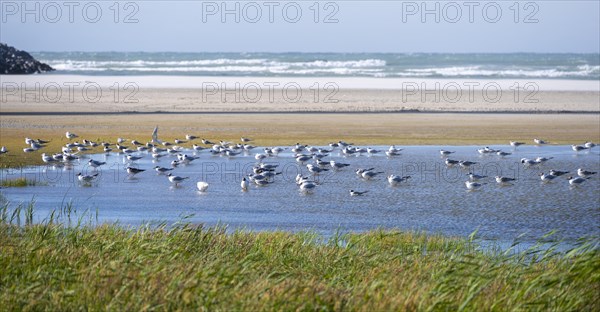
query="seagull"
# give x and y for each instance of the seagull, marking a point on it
(190, 137)
(539, 141)
(393, 149)
(262, 182)
(504, 180)
(133, 158)
(576, 181)
(3, 150)
(578, 148)
(372, 151)
(466, 164)
(245, 140)
(394, 180)
(451, 162)
(176, 179)
(589, 145)
(244, 184)
(315, 170)
(133, 171)
(357, 193)
(336, 165)
(368, 175)
(487, 150)
(303, 158)
(47, 158)
(473, 185)
(207, 142)
(70, 135)
(86, 178)
(584, 173)
(28, 150)
(516, 144)
(178, 141)
(360, 171)
(260, 157)
(547, 177)
(36, 146)
(445, 153)
(307, 186)
(542, 160)
(558, 173)
(202, 186)
(475, 177)
(96, 163)
(502, 154)
(162, 169)
(529, 162)
(392, 153)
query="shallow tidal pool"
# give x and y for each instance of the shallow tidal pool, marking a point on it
(434, 199)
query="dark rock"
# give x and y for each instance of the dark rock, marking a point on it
(16, 62)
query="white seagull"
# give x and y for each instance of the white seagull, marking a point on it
(70, 135)
(578, 148)
(576, 181)
(176, 179)
(86, 178)
(202, 186)
(547, 177)
(584, 173)
(244, 184)
(473, 185)
(394, 180)
(357, 193)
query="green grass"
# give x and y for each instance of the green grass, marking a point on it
(19, 182)
(50, 266)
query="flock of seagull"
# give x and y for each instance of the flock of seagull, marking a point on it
(314, 158)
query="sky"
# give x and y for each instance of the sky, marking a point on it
(303, 26)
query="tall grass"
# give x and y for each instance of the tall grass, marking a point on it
(50, 266)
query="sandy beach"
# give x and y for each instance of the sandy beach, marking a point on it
(363, 116)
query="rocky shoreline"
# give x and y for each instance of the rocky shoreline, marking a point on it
(17, 62)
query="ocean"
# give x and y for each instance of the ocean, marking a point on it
(373, 65)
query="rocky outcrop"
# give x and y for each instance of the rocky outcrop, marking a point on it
(16, 62)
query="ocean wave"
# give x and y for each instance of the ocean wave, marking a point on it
(284, 65)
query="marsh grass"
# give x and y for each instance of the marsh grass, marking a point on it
(86, 266)
(20, 182)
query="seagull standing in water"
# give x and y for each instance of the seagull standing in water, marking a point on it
(357, 193)
(547, 177)
(516, 144)
(307, 186)
(445, 153)
(576, 181)
(473, 185)
(176, 179)
(558, 173)
(504, 180)
(133, 171)
(86, 178)
(589, 145)
(244, 184)
(578, 148)
(394, 180)
(202, 186)
(96, 163)
(584, 173)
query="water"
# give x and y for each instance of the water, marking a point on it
(382, 65)
(434, 200)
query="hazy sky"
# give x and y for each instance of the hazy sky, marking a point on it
(300, 26)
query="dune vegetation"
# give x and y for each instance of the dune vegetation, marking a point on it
(79, 265)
